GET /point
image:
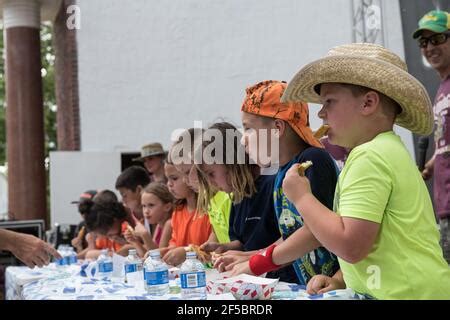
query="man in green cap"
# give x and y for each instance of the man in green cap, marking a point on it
(432, 36)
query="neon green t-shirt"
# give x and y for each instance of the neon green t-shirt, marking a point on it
(219, 215)
(381, 183)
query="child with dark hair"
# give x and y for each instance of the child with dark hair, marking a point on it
(106, 195)
(130, 184)
(79, 242)
(109, 219)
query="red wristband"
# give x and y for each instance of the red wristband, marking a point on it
(262, 261)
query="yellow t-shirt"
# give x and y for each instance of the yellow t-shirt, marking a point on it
(381, 183)
(219, 215)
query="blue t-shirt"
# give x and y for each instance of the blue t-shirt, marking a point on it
(252, 221)
(322, 177)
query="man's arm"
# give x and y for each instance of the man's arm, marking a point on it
(429, 168)
(27, 248)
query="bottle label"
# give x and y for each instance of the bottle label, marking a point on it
(193, 280)
(157, 277)
(105, 267)
(129, 268)
(73, 259)
(134, 278)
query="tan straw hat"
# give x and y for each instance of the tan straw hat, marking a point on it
(150, 150)
(372, 66)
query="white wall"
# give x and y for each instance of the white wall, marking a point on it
(147, 67)
(72, 173)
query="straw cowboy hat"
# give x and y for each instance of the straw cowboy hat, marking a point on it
(372, 66)
(150, 150)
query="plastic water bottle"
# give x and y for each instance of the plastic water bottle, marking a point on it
(133, 268)
(156, 274)
(104, 265)
(64, 261)
(72, 255)
(192, 278)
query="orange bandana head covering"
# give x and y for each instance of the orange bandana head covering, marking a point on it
(263, 99)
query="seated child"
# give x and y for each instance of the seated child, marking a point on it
(219, 206)
(253, 223)
(109, 219)
(188, 225)
(157, 203)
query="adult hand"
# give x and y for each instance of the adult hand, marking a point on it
(31, 250)
(294, 185)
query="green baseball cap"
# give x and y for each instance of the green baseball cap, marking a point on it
(436, 21)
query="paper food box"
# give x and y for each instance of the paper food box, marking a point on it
(244, 287)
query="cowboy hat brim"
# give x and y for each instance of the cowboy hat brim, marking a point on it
(141, 158)
(394, 82)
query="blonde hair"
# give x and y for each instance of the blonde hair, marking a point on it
(192, 134)
(189, 134)
(242, 175)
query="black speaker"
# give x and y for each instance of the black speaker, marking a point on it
(61, 234)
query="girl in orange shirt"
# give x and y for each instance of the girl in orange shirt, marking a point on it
(188, 225)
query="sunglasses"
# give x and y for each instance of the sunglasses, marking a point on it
(435, 39)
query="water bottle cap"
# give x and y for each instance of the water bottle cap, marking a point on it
(155, 253)
(132, 251)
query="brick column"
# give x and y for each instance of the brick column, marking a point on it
(24, 113)
(66, 82)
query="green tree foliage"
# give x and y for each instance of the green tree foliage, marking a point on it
(48, 84)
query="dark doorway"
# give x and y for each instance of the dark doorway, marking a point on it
(127, 160)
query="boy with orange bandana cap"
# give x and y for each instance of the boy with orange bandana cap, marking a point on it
(263, 110)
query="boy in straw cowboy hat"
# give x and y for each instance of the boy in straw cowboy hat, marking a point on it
(382, 228)
(262, 111)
